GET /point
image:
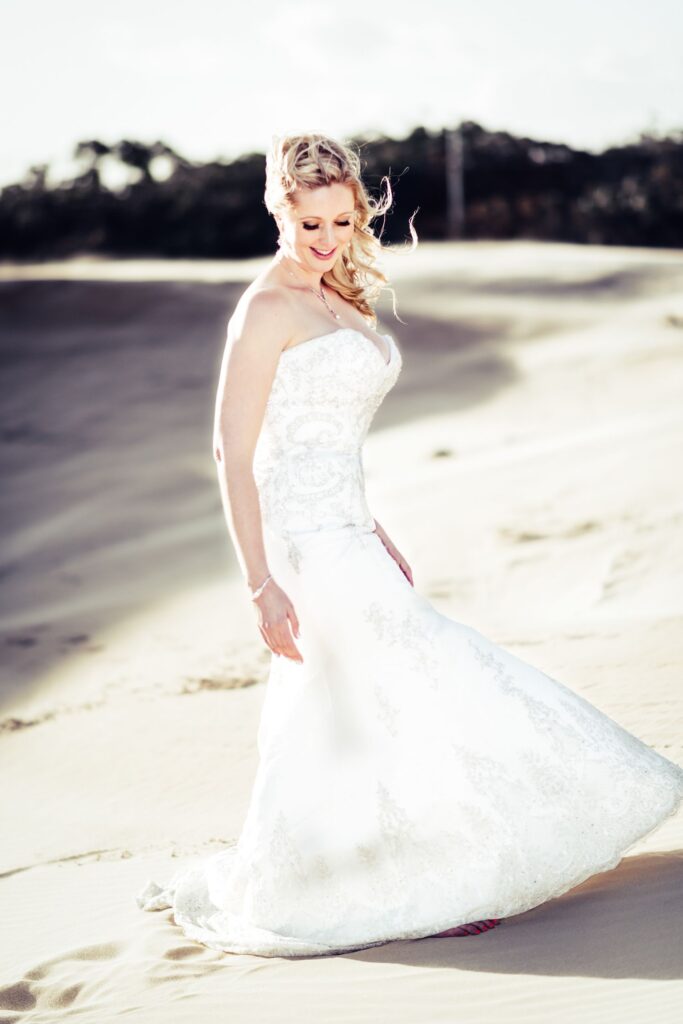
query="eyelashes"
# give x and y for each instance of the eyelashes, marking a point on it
(314, 227)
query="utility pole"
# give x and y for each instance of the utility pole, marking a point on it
(455, 186)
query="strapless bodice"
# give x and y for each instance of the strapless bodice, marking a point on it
(308, 459)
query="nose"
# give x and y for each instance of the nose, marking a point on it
(326, 239)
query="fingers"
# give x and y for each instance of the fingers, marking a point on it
(285, 643)
(294, 619)
(278, 637)
(275, 612)
(402, 564)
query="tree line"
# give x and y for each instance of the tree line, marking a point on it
(506, 187)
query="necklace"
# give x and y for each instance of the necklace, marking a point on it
(320, 294)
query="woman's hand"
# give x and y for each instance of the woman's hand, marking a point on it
(395, 553)
(275, 612)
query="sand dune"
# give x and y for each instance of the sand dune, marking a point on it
(527, 464)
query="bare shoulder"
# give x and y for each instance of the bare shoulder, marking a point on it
(262, 321)
(258, 330)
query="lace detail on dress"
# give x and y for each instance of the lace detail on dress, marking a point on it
(294, 554)
(412, 632)
(387, 710)
(539, 712)
(394, 823)
(308, 463)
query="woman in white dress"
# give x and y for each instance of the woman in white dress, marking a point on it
(414, 778)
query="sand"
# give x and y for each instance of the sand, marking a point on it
(527, 464)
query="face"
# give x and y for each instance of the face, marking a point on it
(316, 229)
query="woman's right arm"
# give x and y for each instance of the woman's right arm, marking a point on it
(256, 335)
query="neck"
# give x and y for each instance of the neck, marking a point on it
(303, 275)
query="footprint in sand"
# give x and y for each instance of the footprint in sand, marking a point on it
(17, 997)
(37, 990)
(527, 536)
(183, 952)
(622, 569)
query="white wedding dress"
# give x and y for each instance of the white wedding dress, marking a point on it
(412, 775)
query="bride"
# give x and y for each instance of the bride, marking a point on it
(414, 778)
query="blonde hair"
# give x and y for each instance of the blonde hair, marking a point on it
(309, 161)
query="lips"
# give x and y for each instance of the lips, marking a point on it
(324, 255)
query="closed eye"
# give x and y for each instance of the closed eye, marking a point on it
(340, 224)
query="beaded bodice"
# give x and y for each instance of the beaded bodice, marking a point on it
(308, 460)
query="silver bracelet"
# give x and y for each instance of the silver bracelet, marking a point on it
(257, 593)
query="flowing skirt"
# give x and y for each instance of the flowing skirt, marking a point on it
(412, 775)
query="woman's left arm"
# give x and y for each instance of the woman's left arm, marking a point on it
(394, 552)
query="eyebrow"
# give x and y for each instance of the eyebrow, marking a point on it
(314, 216)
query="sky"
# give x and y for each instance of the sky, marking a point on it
(215, 79)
